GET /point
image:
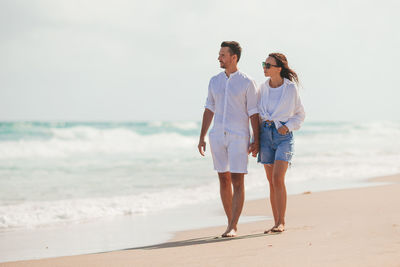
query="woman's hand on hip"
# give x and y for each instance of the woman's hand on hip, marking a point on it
(283, 130)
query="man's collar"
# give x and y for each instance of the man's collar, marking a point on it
(232, 74)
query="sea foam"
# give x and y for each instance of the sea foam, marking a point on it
(52, 173)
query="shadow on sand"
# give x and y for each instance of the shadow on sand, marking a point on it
(201, 240)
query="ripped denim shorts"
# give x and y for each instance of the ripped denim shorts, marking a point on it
(273, 145)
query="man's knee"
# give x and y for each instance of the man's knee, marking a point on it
(238, 180)
(224, 179)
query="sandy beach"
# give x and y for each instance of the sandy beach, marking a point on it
(351, 227)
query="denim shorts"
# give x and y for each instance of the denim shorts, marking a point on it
(273, 145)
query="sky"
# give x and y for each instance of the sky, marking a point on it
(152, 60)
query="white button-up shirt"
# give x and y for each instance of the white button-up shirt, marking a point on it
(233, 100)
(289, 108)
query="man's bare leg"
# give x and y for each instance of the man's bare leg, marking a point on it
(278, 181)
(237, 203)
(269, 170)
(225, 191)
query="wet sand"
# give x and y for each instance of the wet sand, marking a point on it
(351, 227)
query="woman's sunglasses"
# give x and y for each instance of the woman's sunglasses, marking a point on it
(268, 65)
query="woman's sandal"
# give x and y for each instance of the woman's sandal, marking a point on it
(278, 229)
(268, 231)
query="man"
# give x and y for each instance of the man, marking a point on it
(232, 100)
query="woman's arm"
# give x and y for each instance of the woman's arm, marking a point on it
(294, 122)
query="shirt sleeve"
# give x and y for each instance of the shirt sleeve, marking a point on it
(252, 97)
(263, 115)
(295, 122)
(210, 102)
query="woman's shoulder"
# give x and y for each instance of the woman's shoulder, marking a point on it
(289, 82)
(264, 85)
(292, 86)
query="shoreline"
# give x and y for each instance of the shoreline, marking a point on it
(346, 227)
(111, 234)
(121, 232)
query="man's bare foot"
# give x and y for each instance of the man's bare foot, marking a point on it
(229, 233)
(278, 229)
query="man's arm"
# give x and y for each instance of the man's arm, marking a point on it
(207, 118)
(255, 125)
(252, 97)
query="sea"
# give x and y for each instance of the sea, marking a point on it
(147, 179)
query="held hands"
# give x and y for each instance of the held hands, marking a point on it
(254, 148)
(202, 147)
(283, 130)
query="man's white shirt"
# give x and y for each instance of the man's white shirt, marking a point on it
(233, 100)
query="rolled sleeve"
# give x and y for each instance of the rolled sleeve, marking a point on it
(210, 102)
(295, 122)
(252, 96)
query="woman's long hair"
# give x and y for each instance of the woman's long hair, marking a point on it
(286, 72)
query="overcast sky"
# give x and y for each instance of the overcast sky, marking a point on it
(152, 60)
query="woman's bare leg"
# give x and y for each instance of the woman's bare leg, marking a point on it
(268, 171)
(278, 181)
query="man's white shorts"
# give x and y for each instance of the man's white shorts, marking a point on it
(229, 152)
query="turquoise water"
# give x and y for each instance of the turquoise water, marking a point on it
(63, 172)
(44, 130)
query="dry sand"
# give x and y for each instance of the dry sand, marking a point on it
(352, 227)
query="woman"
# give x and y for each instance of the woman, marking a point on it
(281, 112)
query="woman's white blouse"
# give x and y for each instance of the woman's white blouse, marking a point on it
(274, 98)
(289, 108)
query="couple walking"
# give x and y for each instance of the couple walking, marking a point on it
(275, 110)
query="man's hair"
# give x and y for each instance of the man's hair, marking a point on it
(234, 48)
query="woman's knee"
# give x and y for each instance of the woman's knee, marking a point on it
(278, 182)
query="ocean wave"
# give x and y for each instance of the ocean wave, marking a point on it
(88, 140)
(345, 128)
(83, 160)
(43, 213)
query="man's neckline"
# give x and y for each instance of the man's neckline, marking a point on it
(232, 74)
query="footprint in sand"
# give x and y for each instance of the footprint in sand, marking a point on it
(306, 227)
